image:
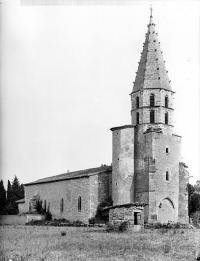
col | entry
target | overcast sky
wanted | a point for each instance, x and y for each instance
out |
(66, 75)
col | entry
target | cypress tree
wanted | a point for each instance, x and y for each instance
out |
(2, 197)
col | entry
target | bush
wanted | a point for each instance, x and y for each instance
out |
(102, 214)
(110, 228)
(48, 216)
(123, 226)
(63, 233)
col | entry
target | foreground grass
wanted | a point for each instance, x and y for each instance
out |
(69, 243)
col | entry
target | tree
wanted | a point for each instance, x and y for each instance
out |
(2, 196)
(9, 193)
(193, 198)
(197, 187)
(15, 191)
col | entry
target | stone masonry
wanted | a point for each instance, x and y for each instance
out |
(131, 213)
(147, 181)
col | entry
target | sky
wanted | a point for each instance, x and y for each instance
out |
(67, 72)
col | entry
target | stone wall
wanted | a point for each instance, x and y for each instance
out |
(69, 190)
(92, 189)
(15, 220)
(99, 190)
(127, 213)
(166, 161)
(159, 106)
(123, 165)
(157, 153)
(183, 194)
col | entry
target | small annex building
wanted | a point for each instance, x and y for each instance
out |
(146, 166)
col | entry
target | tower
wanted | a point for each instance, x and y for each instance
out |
(147, 154)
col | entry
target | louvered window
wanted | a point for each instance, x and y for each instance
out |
(152, 117)
(137, 102)
(138, 118)
(166, 101)
(166, 117)
(152, 100)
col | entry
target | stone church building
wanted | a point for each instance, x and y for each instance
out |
(146, 165)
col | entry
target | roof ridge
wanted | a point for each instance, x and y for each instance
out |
(73, 174)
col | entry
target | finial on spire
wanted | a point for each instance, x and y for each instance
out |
(151, 10)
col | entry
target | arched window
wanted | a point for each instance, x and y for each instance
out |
(138, 118)
(152, 117)
(45, 205)
(166, 101)
(166, 117)
(167, 175)
(137, 102)
(79, 204)
(61, 205)
(48, 209)
(152, 100)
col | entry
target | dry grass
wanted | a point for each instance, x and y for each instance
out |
(69, 243)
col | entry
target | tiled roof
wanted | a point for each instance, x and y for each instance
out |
(72, 175)
(151, 71)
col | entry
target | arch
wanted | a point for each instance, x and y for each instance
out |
(166, 101)
(152, 100)
(166, 210)
(166, 118)
(152, 116)
(167, 175)
(137, 102)
(79, 204)
(45, 205)
(48, 209)
(138, 117)
(61, 205)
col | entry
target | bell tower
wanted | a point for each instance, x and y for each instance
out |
(152, 96)
(146, 164)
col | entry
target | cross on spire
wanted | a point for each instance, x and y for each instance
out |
(151, 10)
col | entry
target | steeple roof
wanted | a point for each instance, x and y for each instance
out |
(151, 71)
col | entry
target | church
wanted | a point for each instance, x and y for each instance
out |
(146, 157)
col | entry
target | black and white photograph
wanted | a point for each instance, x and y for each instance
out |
(100, 125)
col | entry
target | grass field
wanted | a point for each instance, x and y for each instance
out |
(71, 243)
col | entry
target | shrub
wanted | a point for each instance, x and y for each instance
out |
(78, 223)
(48, 216)
(110, 227)
(102, 214)
(63, 233)
(123, 226)
(167, 247)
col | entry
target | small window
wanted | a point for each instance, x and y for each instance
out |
(167, 175)
(61, 205)
(138, 118)
(79, 204)
(166, 101)
(167, 150)
(137, 102)
(152, 117)
(166, 117)
(152, 100)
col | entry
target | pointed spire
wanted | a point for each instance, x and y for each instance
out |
(148, 76)
(151, 15)
(151, 11)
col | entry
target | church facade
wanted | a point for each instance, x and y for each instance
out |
(146, 162)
